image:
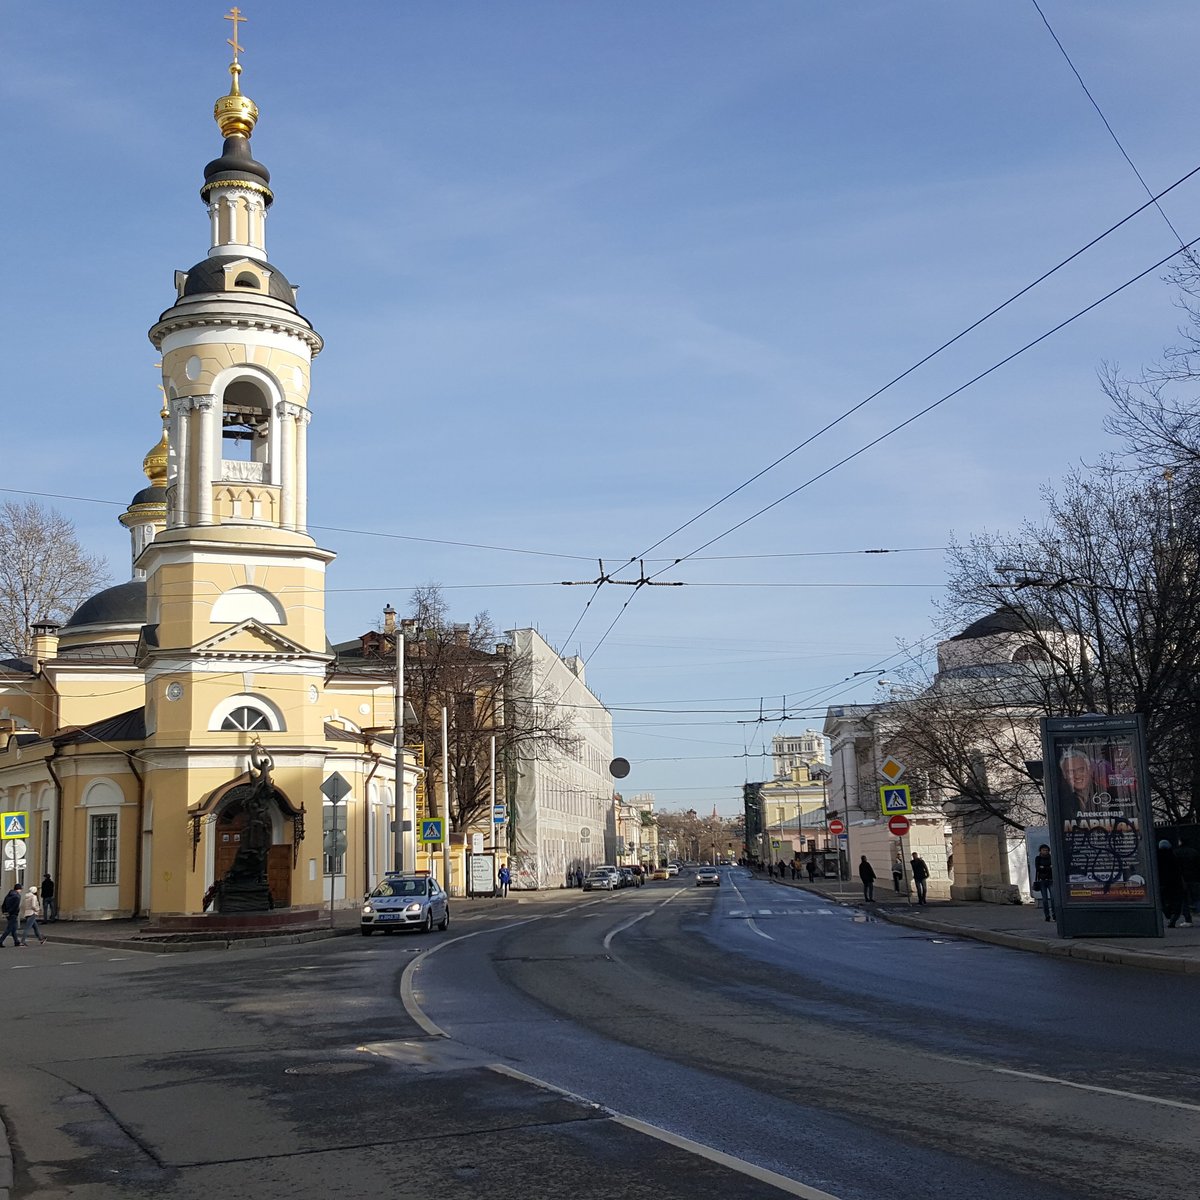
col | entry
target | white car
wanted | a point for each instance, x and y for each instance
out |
(708, 875)
(405, 902)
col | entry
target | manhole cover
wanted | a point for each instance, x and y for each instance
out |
(331, 1068)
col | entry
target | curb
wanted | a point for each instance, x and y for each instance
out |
(149, 947)
(6, 1164)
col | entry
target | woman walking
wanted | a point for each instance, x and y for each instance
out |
(31, 909)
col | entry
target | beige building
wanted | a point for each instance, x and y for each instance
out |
(130, 735)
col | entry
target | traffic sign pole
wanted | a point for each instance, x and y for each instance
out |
(445, 806)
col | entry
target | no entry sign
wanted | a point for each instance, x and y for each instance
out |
(836, 826)
(898, 825)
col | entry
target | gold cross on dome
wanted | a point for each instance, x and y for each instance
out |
(235, 15)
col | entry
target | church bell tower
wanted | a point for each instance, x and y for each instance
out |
(234, 650)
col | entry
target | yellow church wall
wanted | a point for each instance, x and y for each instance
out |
(286, 359)
(29, 703)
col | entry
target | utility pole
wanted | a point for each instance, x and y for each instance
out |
(445, 805)
(401, 808)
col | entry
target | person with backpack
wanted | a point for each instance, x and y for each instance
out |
(11, 908)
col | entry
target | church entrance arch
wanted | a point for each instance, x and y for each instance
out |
(232, 833)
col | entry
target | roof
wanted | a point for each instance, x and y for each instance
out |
(124, 604)
(150, 495)
(17, 665)
(1006, 619)
(237, 165)
(209, 276)
(124, 727)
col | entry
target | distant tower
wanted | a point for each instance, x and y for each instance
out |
(146, 515)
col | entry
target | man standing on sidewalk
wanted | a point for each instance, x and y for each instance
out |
(505, 879)
(866, 873)
(897, 873)
(920, 875)
(11, 909)
(1043, 879)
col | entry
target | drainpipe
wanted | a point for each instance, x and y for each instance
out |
(370, 816)
(141, 817)
(58, 833)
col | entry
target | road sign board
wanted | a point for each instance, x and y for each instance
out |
(892, 769)
(844, 837)
(775, 843)
(14, 825)
(836, 826)
(335, 788)
(430, 831)
(499, 814)
(14, 854)
(898, 825)
(895, 798)
(477, 843)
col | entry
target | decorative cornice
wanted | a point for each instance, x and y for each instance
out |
(302, 332)
(247, 184)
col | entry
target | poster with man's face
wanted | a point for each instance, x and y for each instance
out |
(1105, 847)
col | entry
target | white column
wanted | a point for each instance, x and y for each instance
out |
(178, 441)
(204, 427)
(303, 416)
(285, 412)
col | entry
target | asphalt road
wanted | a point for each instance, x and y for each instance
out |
(859, 1058)
(704, 1039)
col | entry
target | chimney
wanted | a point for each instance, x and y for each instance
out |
(408, 626)
(462, 635)
(45, 642)
(389, 620)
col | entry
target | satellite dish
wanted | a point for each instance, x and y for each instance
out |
(619, 768)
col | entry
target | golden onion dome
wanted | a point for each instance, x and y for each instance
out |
(235, 114)
(155, 462)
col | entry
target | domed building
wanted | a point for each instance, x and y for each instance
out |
(179, 734)
(995, 664)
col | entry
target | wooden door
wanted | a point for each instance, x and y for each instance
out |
(230, 830)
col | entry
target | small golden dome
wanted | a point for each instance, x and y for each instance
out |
(235, 114)
(155, 462)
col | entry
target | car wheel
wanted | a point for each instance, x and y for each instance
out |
(445, 924)
(366, 930)
(427, 927)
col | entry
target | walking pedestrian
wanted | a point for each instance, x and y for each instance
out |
(505, 877)
(920, 873)
(897, 873)
(30, 910)
(792, 868)
(1043, 879)
(1170, 884)
(866, 873)
(11, 908)
(812, 868)
(49, 903)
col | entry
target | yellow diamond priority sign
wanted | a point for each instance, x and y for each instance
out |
(892, 769)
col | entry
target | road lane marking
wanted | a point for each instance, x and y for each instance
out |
(612, 933)
(740, 1165)
(1091, 1087)
(760, 933)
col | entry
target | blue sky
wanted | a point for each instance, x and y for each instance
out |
(581, 268)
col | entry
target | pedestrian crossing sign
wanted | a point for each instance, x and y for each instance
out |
(895, 798)
(14, 825)
(430, 832)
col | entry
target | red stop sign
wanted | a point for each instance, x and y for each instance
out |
(899, 825)
(836, 826)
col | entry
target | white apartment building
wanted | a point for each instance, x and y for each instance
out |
(791, 750)
(561, 801)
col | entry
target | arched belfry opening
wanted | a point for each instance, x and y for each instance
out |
(246, 425)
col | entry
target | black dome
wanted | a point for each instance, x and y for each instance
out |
(209, 276)
(1005, 619)
(237, 164)
(150, 495)
(124, 604)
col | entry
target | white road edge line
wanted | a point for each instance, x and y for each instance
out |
(760, 933)
(782, 1182)
(1091, 1087)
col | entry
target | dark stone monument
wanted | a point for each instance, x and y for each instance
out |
(244, 886)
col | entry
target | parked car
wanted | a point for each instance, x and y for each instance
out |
(672, 869)
(709, 876)
(603, 879)
(661, 873)
(405, 902)
(627, 876)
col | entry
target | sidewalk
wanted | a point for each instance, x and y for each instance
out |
(1018, 926)
(125, 934)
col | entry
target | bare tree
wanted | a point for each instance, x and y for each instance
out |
(692, 836)
(487, 690)
(1106, 593)
(45, 573)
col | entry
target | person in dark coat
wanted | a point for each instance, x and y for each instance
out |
(866, 873)
(11, 908)
(49, 904)
(1043, 880)
(1170, 886)
(811, 867)
(920, 872)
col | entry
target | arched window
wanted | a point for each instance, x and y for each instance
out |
(244, 602)
(245, 719)
(245, 423)
(1030, 653)
(246, 280)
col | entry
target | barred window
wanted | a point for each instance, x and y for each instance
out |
(102, 848)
